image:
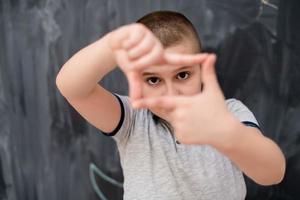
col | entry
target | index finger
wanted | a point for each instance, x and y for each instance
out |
(185, 59)
(168, 103)
(135, 85)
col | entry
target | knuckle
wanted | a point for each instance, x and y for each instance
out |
(157, 52)
(144, 47)
(140, 27)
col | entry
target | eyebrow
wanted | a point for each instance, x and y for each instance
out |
(152, 73)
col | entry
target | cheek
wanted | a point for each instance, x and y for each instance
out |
(149, 91)
(193, 86)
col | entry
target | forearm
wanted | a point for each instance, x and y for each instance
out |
(82, 72)
(257, 156)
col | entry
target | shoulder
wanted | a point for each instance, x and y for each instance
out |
(133, 117)
(129, 111)
(236, 106)
(241, 111)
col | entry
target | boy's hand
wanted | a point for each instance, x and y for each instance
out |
(198, 119)
(132, 44)
(136, 47)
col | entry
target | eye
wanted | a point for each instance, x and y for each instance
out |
(183, 75)
(153, 80)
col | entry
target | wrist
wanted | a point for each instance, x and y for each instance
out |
(107, 40)
(104, 44)
(227, 134)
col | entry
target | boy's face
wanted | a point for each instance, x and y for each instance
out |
(172, 80)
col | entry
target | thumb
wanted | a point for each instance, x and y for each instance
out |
(133, 76)
(208, 73)
(116, 37)
(135, 85)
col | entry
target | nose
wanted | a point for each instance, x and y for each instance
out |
(171, 89)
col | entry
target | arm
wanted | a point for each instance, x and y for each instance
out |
(78, 83)
(257, 156)
(78, 79)
(79, 76)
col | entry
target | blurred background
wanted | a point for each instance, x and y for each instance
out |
(49, 152)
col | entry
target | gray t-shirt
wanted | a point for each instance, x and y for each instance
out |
(156, 167)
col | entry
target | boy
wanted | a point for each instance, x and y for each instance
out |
(162, 62)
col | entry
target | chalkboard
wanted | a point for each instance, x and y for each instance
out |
(48, 151)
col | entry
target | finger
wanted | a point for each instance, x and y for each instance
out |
(135, 85)
(154, 57)
(137, 33)
(123, 60)
(185, 59)
(143, 47)
(167, 103)
(117, 37)
(208, 74)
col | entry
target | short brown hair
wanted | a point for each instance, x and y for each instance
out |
(171, 28)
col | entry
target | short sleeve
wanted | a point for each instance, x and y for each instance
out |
(241, 112)
(124, 127)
